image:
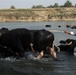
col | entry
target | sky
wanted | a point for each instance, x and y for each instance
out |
(30, 3)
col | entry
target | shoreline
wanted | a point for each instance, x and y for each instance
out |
(43, 21)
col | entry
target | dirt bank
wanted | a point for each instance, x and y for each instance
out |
(44, 14)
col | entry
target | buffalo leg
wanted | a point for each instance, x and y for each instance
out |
(52, 52)
(40, 55)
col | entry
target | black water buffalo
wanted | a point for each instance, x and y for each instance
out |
(17, 40)
(47, 25)
(67, 45)
(20, 40)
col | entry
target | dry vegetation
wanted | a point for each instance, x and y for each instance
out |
(43, 14)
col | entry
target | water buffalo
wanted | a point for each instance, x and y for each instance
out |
(21, 40)
(47, 25)
(15, 40)
(67, 45)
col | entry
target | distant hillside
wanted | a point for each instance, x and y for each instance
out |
(44, 14)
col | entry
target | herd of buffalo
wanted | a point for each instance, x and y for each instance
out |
(68, 26)
(16, 42)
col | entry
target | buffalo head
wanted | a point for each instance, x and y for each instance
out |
(67, 45)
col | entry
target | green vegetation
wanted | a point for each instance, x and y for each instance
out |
(12, 7)
(68, 3)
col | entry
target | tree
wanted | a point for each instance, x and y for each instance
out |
(12, 7)
(75, 5)
(49, 6)
(33, 6)
(68, 4)
(39, 6)
(56, 5)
